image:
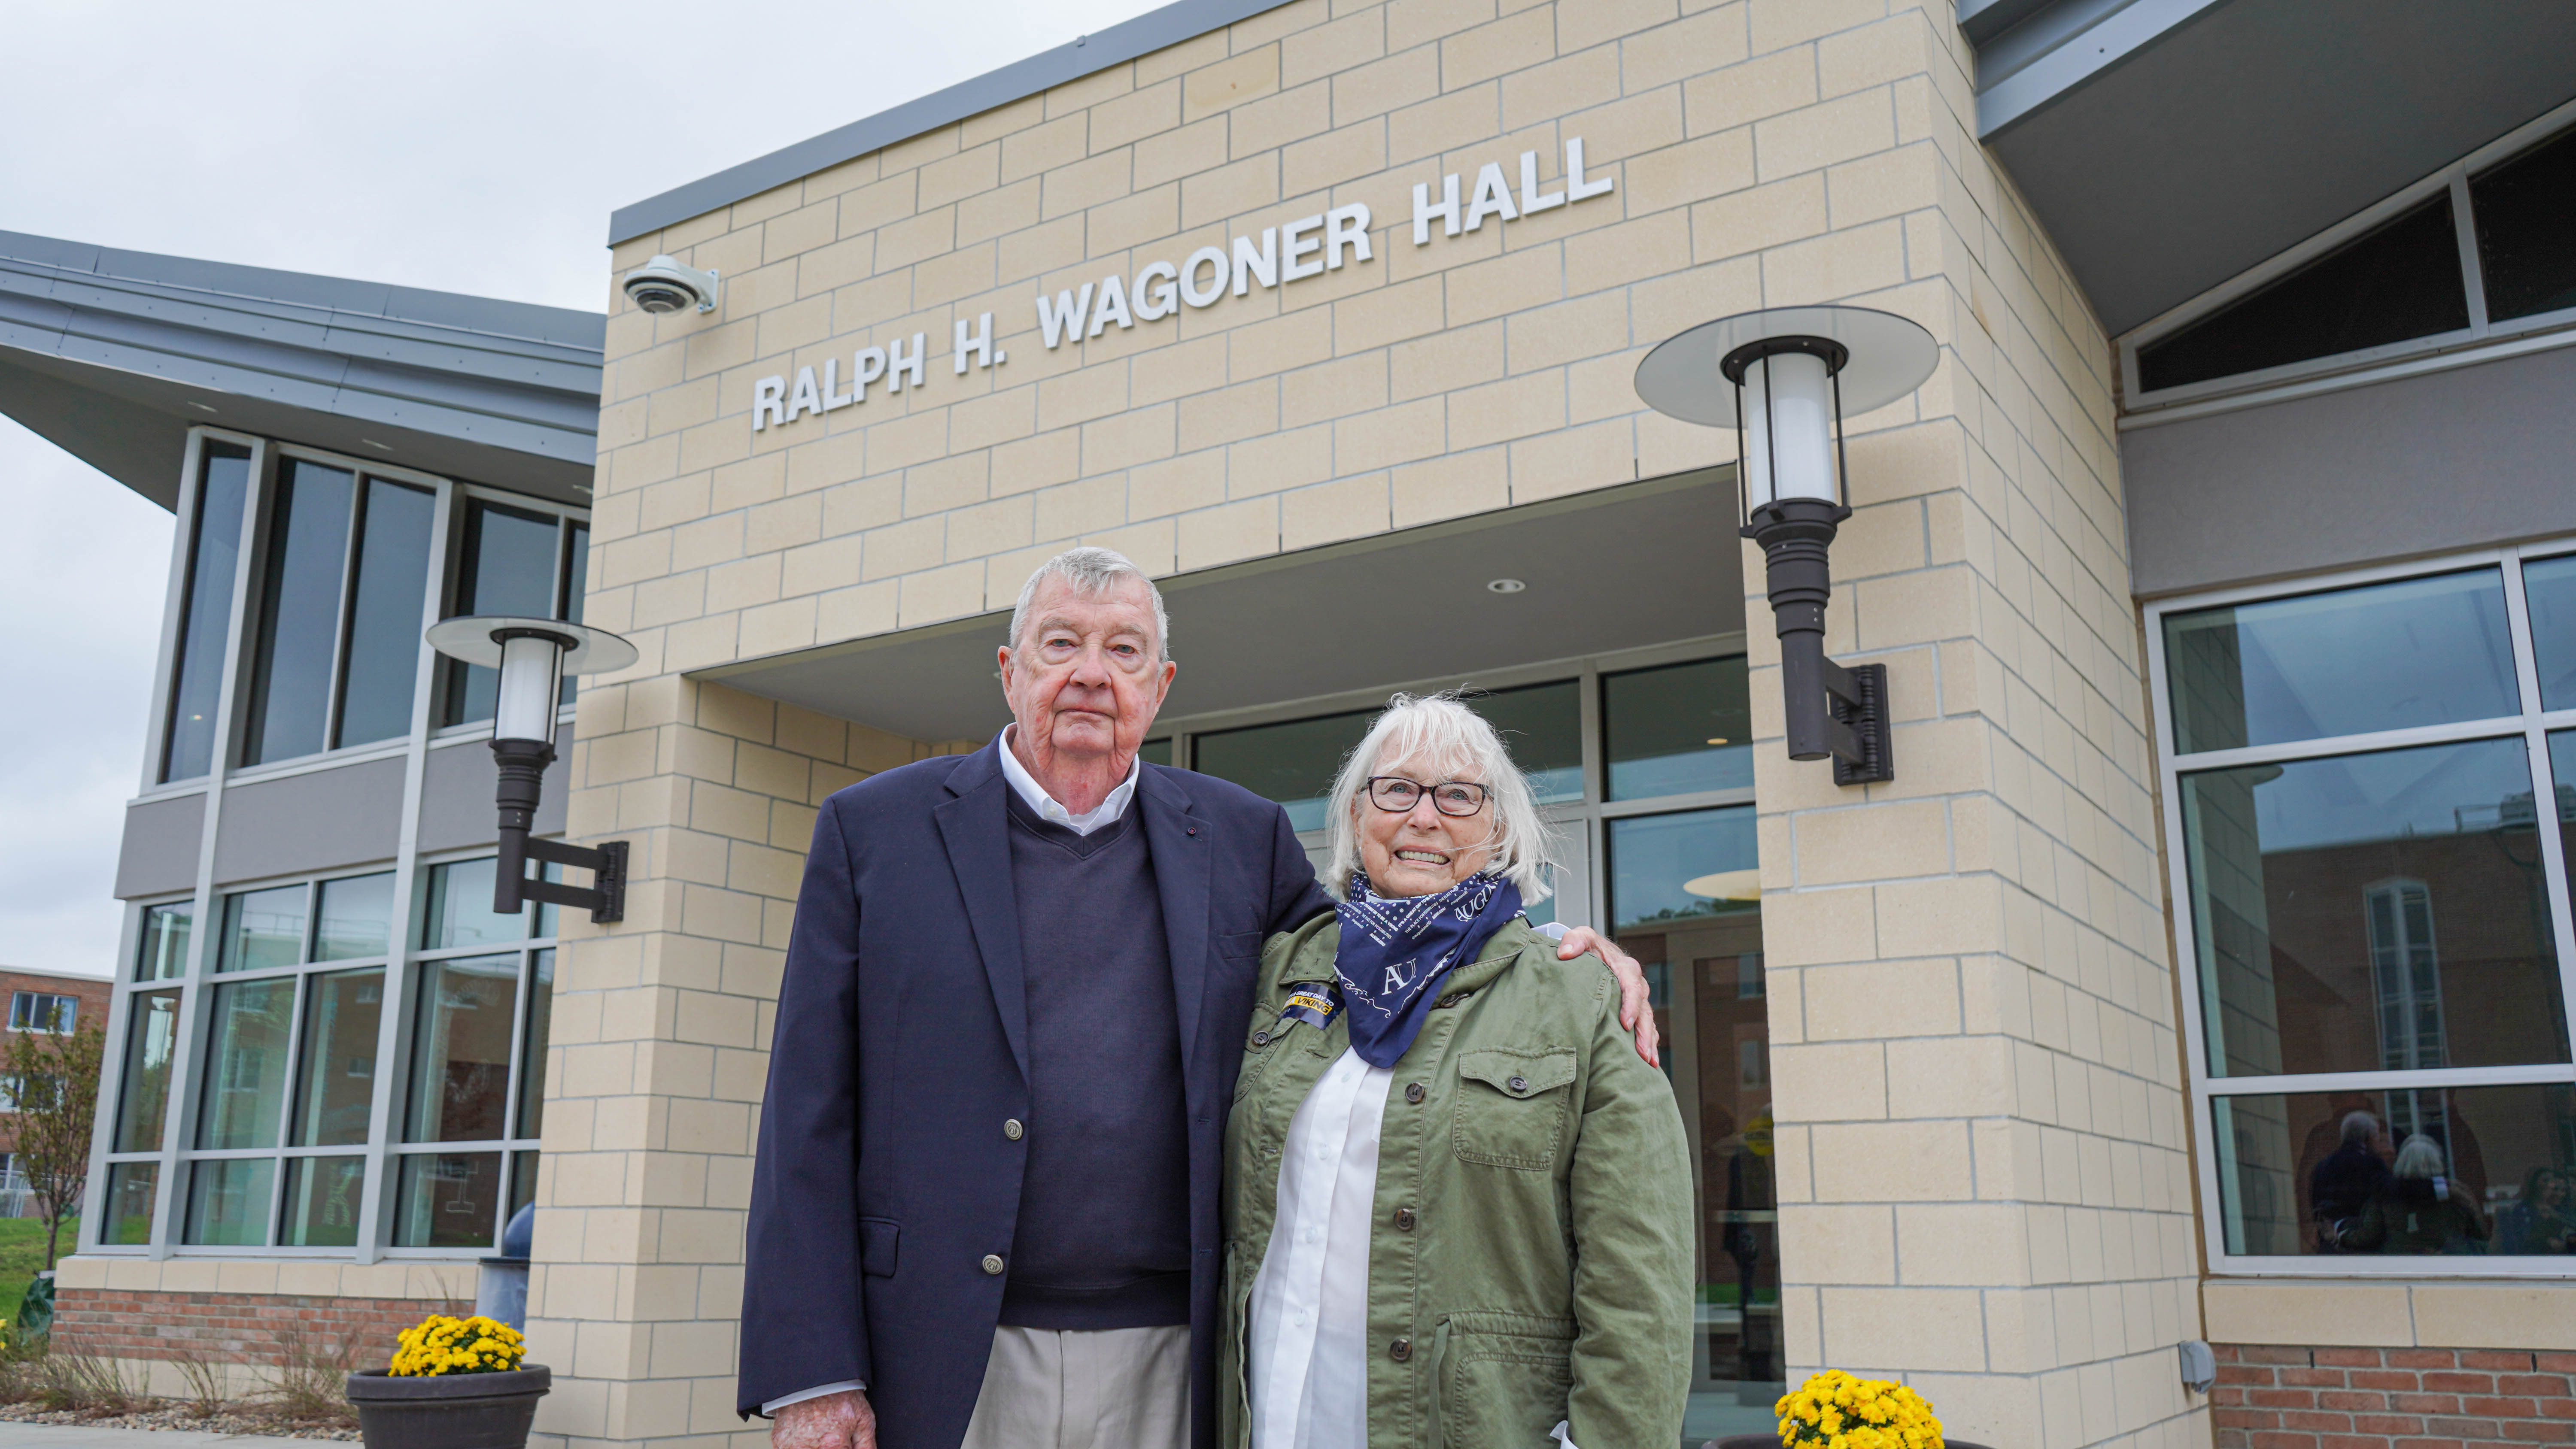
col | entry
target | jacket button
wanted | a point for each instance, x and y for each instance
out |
(993, 1264)
(1400, 1350)
(1012, 1129)
(1404, 1220)
(1413, 1091)
(1261, 1038)
(1520, 1084)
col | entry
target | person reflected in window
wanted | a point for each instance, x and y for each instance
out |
(2347, 1181)
(2540, 1221)
(2421, 1210)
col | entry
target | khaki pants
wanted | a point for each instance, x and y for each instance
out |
(1119, 1388)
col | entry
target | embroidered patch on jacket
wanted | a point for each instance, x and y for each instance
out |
(1312, 1002)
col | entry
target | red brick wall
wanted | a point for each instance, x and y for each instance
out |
(2391, 1398)
(234, 1327)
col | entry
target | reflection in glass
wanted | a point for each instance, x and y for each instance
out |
(460, 1059)
(2382, 657)
(1156, 752)
(263, 928)
(131, 1188)
(228, 1202)
(2372, 912)
(384, 613)
(523, 1181)
(532, 1055)
(1542, 725)
(1684, 896)
(448, 1200)
(166, 929)
(357, 917)
(299, 613)
(321, 1202)
(2522, 208)
(332, 1094)
(214, 560)
(152, 1034)
(245, 1083)
(1681, 728)
(1292, 763)
(508, 568)
(576, 580)
(460, 908)
(2549, 585)
(2452, 1170)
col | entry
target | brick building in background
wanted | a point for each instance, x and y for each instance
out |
(42, 1001)
(2224, 573)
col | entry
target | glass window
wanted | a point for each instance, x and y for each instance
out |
(576, 581)
(214, 561)
(460, 1059)
(448, 1200)
(1293, 763)
(385, 601)
(2386, 656)
(2525, 251)
(152, 1035)
(523, 1180)
(460, 908)
(1678, 729)
(1152, 752)
(341, 1013)
(2375, 912)
(2397, 281)
(357, 917)
(2550, 586)
(299, 615)
(1542, 725)
(263, 929)
(131, 1188)
(508, 567)
(228, 1201)
(2407, 1172)
(44, 1011)
(322, 1198)
(246, 1066)
(164, 956)
(532, 1054)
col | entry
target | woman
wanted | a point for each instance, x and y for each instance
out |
(1458, 1208)
(2420, 1210)
(2539, 1221)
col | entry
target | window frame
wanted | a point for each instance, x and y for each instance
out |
(2530, 724)
(2483, 340)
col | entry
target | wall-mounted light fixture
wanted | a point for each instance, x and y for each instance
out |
(533, 656)
(1783, 379)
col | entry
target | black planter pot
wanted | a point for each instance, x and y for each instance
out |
(448, 1411)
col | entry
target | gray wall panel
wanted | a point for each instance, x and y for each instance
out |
(456, 807)
(346, 816)
(159, 855)
(2459, 459)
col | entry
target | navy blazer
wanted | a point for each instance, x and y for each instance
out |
(884, 1177)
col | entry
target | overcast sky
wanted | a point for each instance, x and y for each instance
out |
(472, 147)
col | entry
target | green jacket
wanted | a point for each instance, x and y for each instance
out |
(1532, 1260)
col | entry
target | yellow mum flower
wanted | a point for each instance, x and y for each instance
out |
(1834, 1410)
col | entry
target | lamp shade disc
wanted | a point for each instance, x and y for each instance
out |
(1890, 357)
(587, 650)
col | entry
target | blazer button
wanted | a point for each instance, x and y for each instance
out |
(1520, 1084)
(993, 1264)
(1012, 1129)
(1413, 1091)
(1400, 1350)
(1404, 1220)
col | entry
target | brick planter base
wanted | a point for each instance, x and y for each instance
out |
(2391, 1398)
(235, 1327)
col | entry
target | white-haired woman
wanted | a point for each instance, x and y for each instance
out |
(2421, 1209)
(1458, 1205)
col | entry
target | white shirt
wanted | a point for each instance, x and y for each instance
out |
(1309, 1312)
(1107, 812)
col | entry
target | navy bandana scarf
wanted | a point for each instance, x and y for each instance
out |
(1394, 949)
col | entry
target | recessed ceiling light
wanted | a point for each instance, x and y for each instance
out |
(1719, 740)
(372, 443)
(201, 407)
(1506, 586)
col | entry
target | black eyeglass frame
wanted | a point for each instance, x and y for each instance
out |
(1484, 796)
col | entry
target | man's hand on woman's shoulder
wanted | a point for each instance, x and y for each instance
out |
(834, 1421)
(1634, 1013)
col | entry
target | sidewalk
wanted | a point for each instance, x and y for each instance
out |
(69, 1436)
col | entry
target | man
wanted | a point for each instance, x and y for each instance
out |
(985, 1208)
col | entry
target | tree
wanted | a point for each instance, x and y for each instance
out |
(54, 1078)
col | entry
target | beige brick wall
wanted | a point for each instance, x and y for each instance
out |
(1979, 1088)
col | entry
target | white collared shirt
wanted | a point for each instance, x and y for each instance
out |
(1107, 812)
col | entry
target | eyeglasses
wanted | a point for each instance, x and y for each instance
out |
(1397, 795)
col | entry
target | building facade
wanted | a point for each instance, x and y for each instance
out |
(2221, 888)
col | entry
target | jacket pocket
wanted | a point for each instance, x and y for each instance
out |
(1505, 1380)
(1511, 1105)
(878, 1240)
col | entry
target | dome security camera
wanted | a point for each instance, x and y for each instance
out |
(664, 285)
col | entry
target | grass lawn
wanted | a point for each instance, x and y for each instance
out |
(22, 1256)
